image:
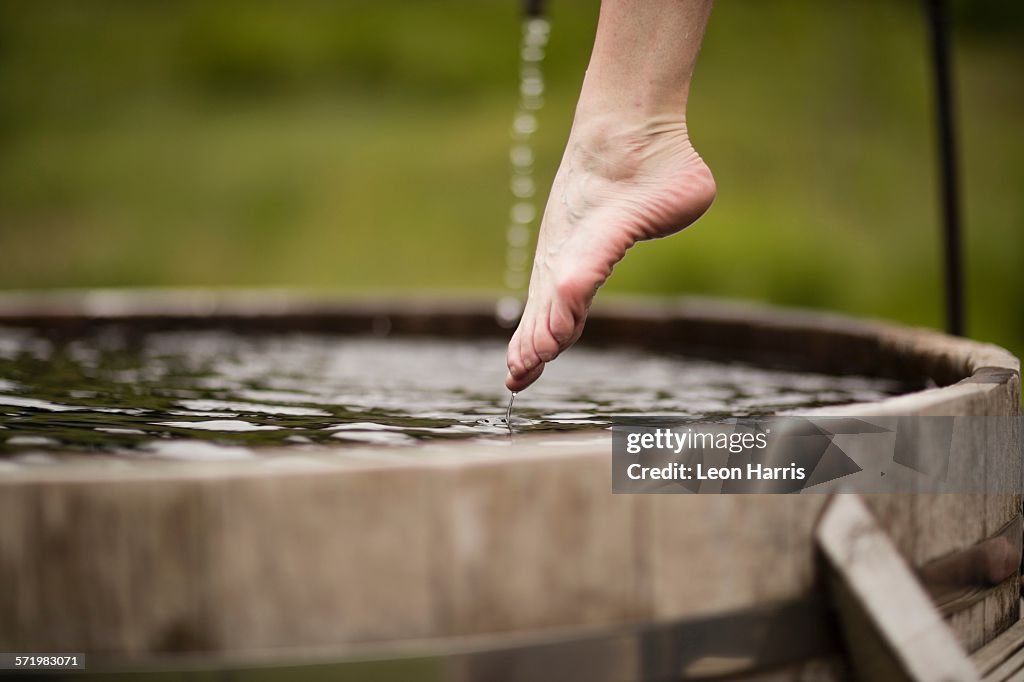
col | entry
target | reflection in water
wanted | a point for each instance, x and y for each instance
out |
(216, 394)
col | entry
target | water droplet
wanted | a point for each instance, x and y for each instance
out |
(525, 124)
(517, 257)
(518, 236)
(532, 53)
(538, 26)
(522, 187)
(523, 212)
(508, 310)
(529, 71)
(521, 155)
(532, 87)
(508, 411)
(535, 39)
(535, 32)
(533, 103)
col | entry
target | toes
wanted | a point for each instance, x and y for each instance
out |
(543, 333)
(521, 357)
(513, 360)
(544, 343)
(516, 384)
(562, 324)
(527, 351)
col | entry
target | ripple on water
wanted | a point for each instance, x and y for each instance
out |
(220, 425)
(215, 395)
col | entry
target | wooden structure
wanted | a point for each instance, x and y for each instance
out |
(480, 561)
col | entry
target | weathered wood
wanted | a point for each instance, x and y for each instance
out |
(892, 630)
(999, 650)
(1009, 670)
(965, 577)
(453, 539)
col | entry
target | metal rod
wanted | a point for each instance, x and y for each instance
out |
(533, 8)
(938, 29)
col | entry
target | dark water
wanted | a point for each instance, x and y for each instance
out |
(217, 395)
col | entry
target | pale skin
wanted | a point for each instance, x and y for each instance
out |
(629, 172)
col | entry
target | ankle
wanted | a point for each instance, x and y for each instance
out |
(609, 114)
(636, 99)
(614, 145)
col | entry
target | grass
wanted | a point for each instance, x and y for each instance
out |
(355, 146)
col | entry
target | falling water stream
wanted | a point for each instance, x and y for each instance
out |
(523, 216)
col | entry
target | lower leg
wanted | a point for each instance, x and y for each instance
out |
(629, 172)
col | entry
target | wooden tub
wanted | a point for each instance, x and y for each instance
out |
(469, 560)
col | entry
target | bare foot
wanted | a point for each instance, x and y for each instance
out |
(618, 184)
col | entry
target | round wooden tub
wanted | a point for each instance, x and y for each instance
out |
(469, 560)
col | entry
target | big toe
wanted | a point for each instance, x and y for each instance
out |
(518, 383)
(522, 357)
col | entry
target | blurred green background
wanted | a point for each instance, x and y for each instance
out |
(364, 146)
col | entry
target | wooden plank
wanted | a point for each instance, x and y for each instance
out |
(1002, 444)
(892, 630)
(993, 654)
(1011, 667)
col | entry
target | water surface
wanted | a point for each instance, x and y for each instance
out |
(218, 394)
